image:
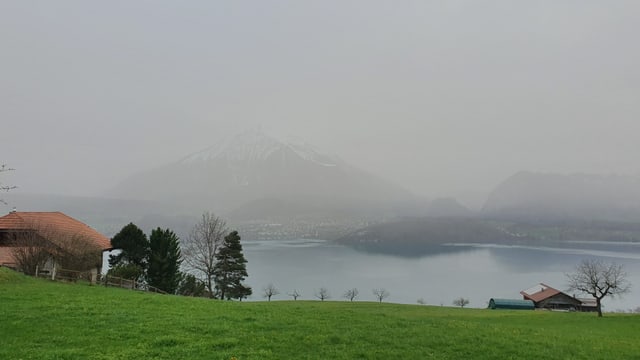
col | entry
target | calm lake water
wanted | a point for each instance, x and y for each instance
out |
(474, 271)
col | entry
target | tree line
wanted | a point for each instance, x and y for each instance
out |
(208, 263)
(212, 256)
(323, 293)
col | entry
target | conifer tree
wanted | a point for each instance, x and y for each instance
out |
(230, 269)
(190, 286)
(132, 259)
(164, 260)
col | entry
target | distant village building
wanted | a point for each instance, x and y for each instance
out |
(48, 230)
(546, 297)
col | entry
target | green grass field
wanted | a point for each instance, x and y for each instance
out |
(44, 320)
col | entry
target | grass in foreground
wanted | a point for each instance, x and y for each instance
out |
(44, 320)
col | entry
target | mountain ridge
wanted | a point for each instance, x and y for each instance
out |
(553, 196)
(254, 166)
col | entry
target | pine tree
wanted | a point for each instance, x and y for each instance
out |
(164, 260)
(190, 286)
(230, 269)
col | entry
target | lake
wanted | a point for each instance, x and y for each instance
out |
(478, 272)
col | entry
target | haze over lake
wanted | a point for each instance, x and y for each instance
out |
(387, 126)
(477, 272)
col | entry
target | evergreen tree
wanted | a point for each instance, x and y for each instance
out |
(164, 260)
(230, 269)
(127, 271)
(242, 291)
(134, 252)
(190, 286)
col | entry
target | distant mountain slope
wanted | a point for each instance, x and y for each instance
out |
(416, 237)
(447, 207)
(421, 236)
(254, 167)
(554, 197)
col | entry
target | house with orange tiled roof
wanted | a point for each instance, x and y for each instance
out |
(546, 297)
(47, 230)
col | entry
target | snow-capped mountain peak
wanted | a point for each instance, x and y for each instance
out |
(253, 166)
(249, 145)
(308, 153)
(255, 145)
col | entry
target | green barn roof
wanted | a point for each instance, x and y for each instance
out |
(514, 304)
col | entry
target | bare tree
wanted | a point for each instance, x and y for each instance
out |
(323, 294)
(3, 187)
(201, 246)
(381, 294)
(294, 294)
(599, 279)
(421, 301)
(77, 252)
(462, 302)
(269, 291)
(351, 294)
(30, 251)
(37, 244)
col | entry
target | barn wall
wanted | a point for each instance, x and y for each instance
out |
(559, 301)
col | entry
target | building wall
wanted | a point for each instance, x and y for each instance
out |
(560, 302)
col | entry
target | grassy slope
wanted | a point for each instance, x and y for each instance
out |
(44, 320)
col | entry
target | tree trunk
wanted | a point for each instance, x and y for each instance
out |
(599, 306)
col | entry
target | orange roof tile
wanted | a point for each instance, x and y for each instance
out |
(55, 221)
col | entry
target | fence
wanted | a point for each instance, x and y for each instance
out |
(132, 284)
(66, 275)
(92, 278)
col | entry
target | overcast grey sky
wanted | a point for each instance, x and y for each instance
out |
(443, 97)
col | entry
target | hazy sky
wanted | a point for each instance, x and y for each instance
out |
(443, 97)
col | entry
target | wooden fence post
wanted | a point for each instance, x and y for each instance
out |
(94, 276)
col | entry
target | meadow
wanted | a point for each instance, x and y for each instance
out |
(40, 319)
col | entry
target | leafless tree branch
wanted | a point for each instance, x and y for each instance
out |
(201, 246)
(269, 291)
(599, 279)
(294, 294)
(37, 243)
(30, 251)
(323, 294)
(462, 302)
(5, 188)
(381, 294)
(351, 294)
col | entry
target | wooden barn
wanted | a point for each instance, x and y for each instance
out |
(546, 297)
